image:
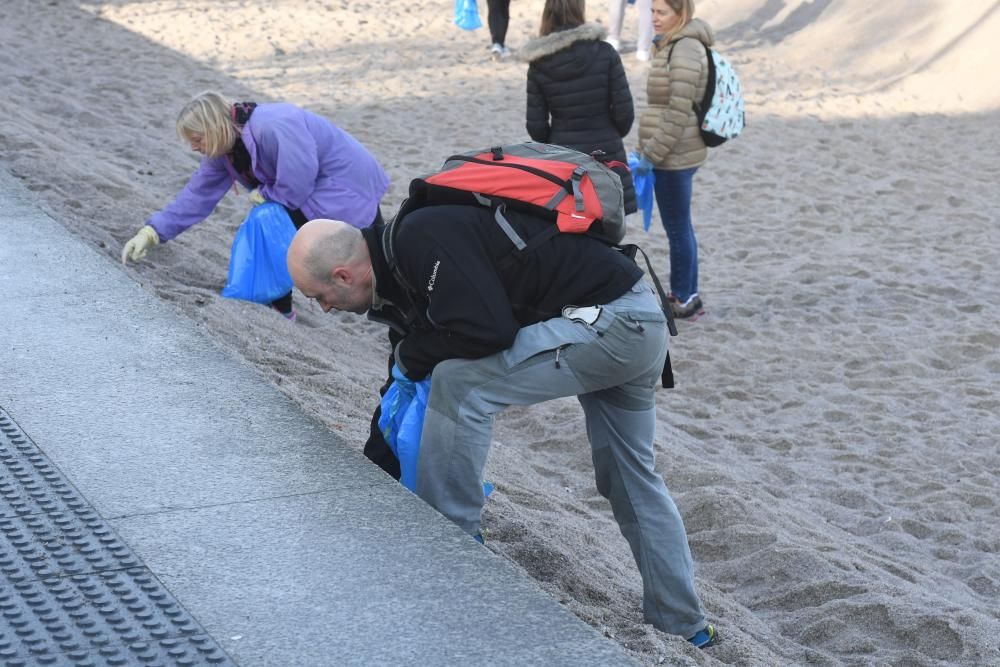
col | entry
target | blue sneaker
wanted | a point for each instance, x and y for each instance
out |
(478, 537)
(704, 637)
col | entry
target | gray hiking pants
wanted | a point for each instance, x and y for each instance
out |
(612, 366)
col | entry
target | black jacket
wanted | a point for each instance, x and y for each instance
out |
(471, 294)
(578, 94)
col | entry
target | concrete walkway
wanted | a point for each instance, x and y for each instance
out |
(221, 525)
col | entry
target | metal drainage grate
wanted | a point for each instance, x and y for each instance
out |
(71, 592)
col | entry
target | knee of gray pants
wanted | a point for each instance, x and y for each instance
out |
(452, 380)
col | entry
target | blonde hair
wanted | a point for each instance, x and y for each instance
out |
(685, 12)
(209, 115)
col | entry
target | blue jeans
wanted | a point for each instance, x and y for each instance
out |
(673, 199)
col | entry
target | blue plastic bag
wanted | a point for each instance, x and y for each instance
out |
(402, 422)
(643, 182)
(467, 15)
(258, 270)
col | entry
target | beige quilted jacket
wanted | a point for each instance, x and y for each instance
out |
(668, 127)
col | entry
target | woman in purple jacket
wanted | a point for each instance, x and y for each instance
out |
(280, 153)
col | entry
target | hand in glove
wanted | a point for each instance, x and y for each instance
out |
(406, 385)
(639, 163)
(256, 197)
(137, 247)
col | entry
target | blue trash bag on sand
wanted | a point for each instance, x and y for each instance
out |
(402, 422)
(467, 15)
(258, 270)
(643, 182)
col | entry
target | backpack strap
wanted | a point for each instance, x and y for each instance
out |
(576, 179)
(520, 245)
(630, 251)
(410, 313)
(505, 225)
(667, 376)
(389, 248)
(706, 100)
(700, 108)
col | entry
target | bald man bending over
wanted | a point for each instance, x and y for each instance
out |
(570, 317)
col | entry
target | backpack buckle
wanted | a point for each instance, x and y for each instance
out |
(576, 179)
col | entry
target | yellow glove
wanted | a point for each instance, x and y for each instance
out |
(139, 244)
(256, 197)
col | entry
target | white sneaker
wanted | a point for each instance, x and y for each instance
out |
(499, 52)
(642, 56)
(614, 41)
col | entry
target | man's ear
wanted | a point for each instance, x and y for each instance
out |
(341, 274)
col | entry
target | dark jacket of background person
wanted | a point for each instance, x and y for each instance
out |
(578, 94)
(668, 128)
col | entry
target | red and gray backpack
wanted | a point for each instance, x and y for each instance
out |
(578, 193)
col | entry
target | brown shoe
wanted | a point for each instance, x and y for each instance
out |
(688, 309)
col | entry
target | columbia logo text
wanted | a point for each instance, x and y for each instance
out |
(434, 275)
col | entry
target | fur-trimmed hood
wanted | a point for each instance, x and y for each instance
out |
(539, 47)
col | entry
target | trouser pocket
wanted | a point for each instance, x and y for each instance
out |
(553, 334)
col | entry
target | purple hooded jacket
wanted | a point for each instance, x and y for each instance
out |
(302, 161)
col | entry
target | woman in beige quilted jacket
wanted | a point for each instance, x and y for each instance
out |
(670, 138)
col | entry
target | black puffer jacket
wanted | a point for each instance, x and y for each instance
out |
(578, 95)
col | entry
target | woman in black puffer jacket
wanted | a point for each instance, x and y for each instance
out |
(578, 95)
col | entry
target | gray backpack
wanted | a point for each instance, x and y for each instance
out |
(580, 193)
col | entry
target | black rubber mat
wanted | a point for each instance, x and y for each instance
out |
(29, 484)
(71, 592)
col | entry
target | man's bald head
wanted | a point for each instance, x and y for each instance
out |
(322, 245)
(328, 261)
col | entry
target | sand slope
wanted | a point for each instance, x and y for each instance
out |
(831, 443)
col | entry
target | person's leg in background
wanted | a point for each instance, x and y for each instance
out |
(644, 43)
(673, 199)
(616, 14)
(283, 304)
(498, 18)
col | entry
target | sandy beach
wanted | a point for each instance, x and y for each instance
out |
(832, 441)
